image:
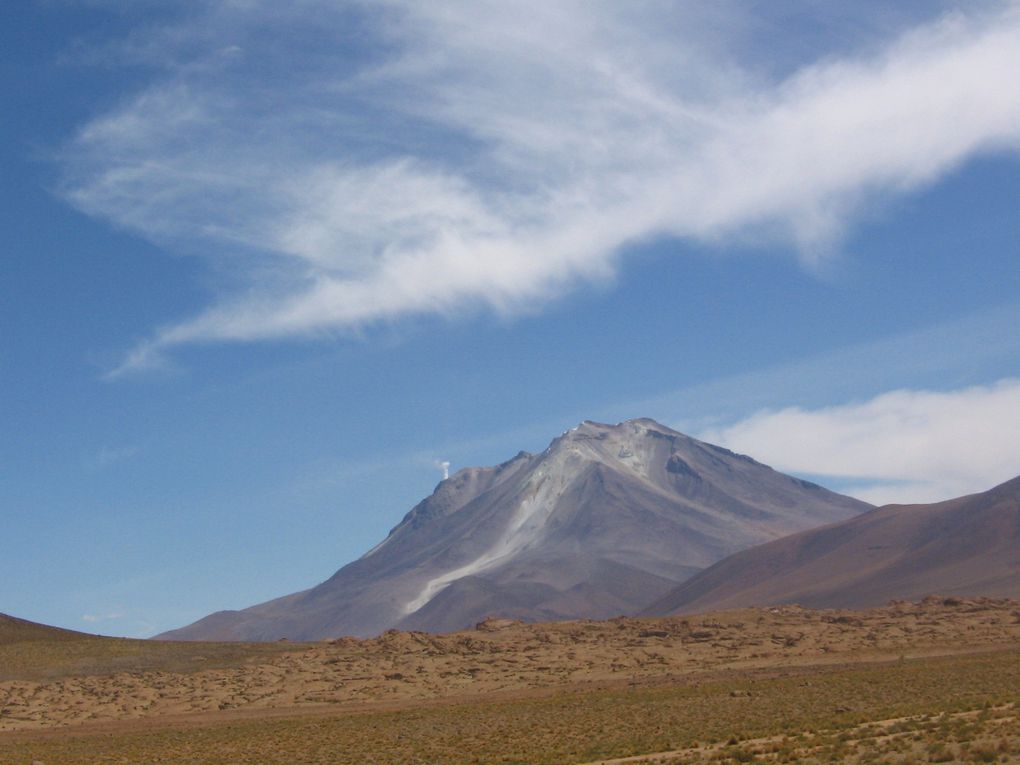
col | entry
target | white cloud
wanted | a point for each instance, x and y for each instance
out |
(903, 446)
(495, 155)
(93, 618)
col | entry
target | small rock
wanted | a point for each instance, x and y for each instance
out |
(653, 633)
(494, 624)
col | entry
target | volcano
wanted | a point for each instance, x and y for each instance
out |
(606, 520)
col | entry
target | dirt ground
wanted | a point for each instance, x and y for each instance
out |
(499, 662)
(506, 657)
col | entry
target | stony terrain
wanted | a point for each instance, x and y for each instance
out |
(990, 734)
(498, 658)
(958, 709)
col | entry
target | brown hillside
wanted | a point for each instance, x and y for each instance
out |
(14, 630)
(967, 546)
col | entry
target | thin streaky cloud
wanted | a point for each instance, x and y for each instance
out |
(489, 159)
(983, 345)
(959, 352)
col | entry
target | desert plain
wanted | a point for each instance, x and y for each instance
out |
(932, 681)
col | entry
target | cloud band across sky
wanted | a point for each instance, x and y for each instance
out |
(496, 156)
(902, 446)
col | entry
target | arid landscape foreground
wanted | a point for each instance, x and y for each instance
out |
(935, 681)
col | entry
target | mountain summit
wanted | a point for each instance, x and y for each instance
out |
(604, 521)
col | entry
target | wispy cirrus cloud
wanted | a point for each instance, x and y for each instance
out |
(351, 163)
(902, 446)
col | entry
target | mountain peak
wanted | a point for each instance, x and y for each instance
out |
(636, 426)
(604, 521)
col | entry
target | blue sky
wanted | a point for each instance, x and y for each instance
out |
(264, 268)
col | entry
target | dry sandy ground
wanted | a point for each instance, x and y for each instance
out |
(501, 657)
(993, 736)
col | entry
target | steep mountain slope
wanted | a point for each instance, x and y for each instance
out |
(964, 546)
(604, 521)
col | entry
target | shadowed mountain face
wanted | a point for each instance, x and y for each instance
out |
(603, 522)
(965, 546)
